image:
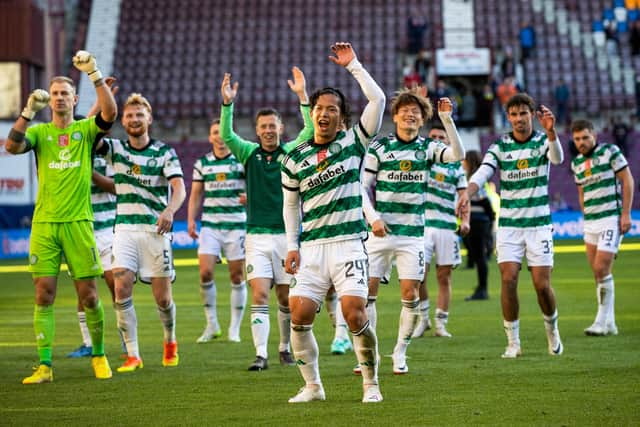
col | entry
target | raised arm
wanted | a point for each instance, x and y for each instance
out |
(548, 122)
(299, 87)
(239, 147)
(110, 82)
(371, 118)
(17, 142)
(86, 62)
(457, 153)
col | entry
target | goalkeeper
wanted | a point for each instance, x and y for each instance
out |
(63, 218)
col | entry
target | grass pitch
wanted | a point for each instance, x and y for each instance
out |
(458, 381)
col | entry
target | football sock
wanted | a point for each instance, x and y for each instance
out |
(238, 303)
(512, 329)
(305, 351)
(332, 304)
(604, 293)
(168, 319)
(95, 325)
(442, 317)
(128, 325)
(372, 313)
(365, 345)
(551, 322)
(409, 317)
(260, 328)
(84, 331)
(208, 294)
(342, 330)
(424, 309)
(284, 323)
(44, 325)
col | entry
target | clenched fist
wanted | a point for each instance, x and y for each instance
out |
(38, 99)
(84, 61)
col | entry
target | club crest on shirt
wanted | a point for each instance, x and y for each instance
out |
(322, 165)
(535, 152)
(335, 148)
(76, 136)
(152, 163)
(420, 155)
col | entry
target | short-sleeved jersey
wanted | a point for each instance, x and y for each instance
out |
(443, 183)
(596, 173)
(327, 178)
(63, 159)
(262, 173)
(103, 202)
(223, 181)
(401, 170)
(142, 182)
(524, 177)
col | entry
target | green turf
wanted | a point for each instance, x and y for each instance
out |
(459, 381)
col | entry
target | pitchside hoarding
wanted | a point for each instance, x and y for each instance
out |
(566, 225)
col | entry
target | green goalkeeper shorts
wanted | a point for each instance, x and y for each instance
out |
(49, 240)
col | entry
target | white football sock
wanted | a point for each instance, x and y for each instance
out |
(442, 317)
(305, 351)
(208, 295)
(365, 344)
(409, 317)
(84, 330)
(128, 325)
(260, 328)
(372, 313)
(284, 323)
(168, 319)
(424, 309)
(551, 322)
(238, 303)
(332, 304)
(342, 329)
(604, 293)
(512, 329)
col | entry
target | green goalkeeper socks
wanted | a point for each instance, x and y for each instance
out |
(44, 325)
(95, 323)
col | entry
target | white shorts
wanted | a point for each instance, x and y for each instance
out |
(408, 253)
(265, 255)
(104, 243)
(607, 240)
(341, 264)
(537, 244)
(214, 242)
(445, 244)
(147, 253)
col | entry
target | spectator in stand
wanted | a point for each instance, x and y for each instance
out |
(611, 34)
(527, 40)
(423, 65)
(411, 77)
(620, 131)
(634, 37)
(416, 29)
(504, 92)
(561, 94)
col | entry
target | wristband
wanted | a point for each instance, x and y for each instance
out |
(16, 135)
(28, 117)
(95, 75)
